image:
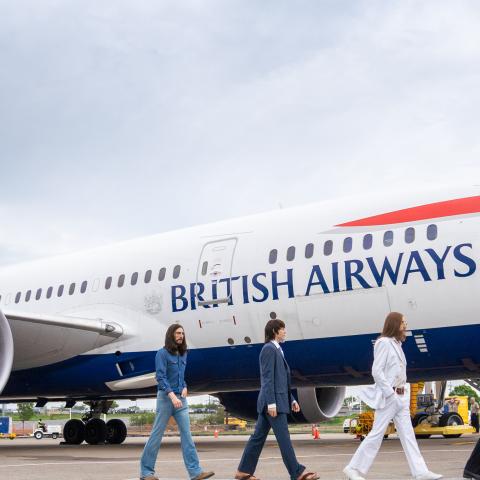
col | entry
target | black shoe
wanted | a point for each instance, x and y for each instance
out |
(467, 474)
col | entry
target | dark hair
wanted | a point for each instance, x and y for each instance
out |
(391, 327)
(271, 329)
(170, 343)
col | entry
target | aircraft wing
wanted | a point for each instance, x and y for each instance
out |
(32, 340)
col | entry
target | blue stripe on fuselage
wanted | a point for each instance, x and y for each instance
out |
(326, 361)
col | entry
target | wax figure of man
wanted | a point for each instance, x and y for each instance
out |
(275, 402)
(391, 401)
(170, 364)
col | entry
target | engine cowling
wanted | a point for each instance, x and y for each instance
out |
(317, 403)
(6, 351)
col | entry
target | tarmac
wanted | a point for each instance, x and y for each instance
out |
(26, 458)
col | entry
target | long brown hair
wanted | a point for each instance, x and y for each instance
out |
(391, 327)
(170, 343)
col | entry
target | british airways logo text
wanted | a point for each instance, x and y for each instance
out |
(426, 265)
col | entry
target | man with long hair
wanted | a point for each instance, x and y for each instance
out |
(275, 401)
(390, 400)
(170, 364)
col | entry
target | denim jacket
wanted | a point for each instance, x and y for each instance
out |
(170, 371)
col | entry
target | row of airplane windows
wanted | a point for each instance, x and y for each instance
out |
(83, 286)
(367, 243)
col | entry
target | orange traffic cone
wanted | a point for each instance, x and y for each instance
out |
(316, 433)
(215, 433)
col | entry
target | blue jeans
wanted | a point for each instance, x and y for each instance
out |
(165, 410)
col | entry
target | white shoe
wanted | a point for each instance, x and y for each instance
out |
(352, 474)
(429, 476)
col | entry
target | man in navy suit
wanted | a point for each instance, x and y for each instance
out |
(275, 402)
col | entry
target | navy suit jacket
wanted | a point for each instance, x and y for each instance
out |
(275, 380)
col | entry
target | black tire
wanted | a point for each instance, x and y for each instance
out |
(38, 435)
(451, 419)
(417, 420)
(74, 432)
(54, 436)
(116, 431)
(95, 431)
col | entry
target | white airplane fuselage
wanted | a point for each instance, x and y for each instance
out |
(336, 273)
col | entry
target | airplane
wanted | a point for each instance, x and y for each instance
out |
(86, 326)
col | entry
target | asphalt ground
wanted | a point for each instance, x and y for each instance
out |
(23, 459)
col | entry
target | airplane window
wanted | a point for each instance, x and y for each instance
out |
(272, 258)
(161, 274)
(148, 276)
(176, 271)
(49, 292)
(432, 232)
(204, 268)
(134, 279)
(388, 238)
(108, 283)
(409, 235)
(71, 290)
(39, 294)
(60, 291)
(309, 250)
(83, 287)
(121, 280)
(17, 297)
(347, 244)
(367, 241)
(290, 253)
(0, 298)
(328, 247)
(28, 295)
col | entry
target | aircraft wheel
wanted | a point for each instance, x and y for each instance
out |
(95, 431)
(74, 432)
(116, 431)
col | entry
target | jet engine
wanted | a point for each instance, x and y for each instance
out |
(6, 351)
(317, 404)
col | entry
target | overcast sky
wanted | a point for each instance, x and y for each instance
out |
(125, 118)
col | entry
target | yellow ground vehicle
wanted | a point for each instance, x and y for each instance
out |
(432, 416)
(364, 424)
(233, 423)
(429, 415)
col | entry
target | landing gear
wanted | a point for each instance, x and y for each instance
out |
(74, 432)
(93, 429)
(116, 431)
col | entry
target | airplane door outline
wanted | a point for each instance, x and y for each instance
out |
(215, 263)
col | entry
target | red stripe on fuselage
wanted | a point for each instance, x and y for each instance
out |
(460, 206)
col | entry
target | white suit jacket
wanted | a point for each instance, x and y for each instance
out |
(389, 364)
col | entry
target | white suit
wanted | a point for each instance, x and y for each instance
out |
(388, 371)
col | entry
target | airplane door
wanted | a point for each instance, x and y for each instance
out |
(215, 263)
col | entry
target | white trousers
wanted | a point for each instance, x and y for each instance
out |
(396, 409)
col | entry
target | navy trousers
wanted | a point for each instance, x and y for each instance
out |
(255, 443)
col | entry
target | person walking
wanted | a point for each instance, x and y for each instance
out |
(170, 364)
(474, 409)
(388, 396)
(274, 402)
